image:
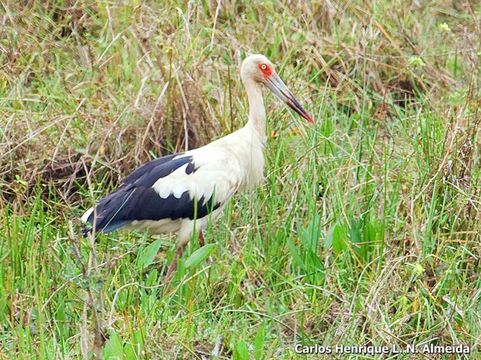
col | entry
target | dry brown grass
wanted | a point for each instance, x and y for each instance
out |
(133, 82)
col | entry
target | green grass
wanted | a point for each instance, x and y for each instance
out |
(366, 231)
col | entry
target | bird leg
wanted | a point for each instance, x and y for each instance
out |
(173, 266)
(201, 239)
(178, 253)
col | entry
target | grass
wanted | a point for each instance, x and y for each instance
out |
(366, 231)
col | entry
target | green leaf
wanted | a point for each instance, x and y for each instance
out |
(359, 247)
(337, 238)
(295, 254)
(147, 254)
(241, 352)
(310, 235)
(259, 343)
(113, 348)
(199, 255)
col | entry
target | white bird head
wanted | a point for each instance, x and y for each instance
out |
(259, 69)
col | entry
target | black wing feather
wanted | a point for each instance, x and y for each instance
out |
(147, 174)
(137, 200)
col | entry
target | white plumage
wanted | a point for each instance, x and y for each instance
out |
(181, 192)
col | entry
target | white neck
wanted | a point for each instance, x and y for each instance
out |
(257, 112)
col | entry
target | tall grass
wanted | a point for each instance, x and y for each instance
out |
(366, 231)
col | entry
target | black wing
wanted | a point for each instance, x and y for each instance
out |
(147, 174)
(137, 200)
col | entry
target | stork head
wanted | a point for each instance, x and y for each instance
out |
(259, 69)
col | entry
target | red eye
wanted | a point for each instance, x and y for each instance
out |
(266, 70)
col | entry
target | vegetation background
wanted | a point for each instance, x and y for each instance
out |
(366, 232)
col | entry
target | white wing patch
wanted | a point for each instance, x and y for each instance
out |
(214, 176)
(86, 214)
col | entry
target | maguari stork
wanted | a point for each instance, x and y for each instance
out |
(179, 193)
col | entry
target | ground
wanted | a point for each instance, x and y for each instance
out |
(365, 232)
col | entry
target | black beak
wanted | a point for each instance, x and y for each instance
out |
(277, 86)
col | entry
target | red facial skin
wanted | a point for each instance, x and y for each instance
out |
(266, 70)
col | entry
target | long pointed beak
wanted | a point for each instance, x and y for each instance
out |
(277, 86)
